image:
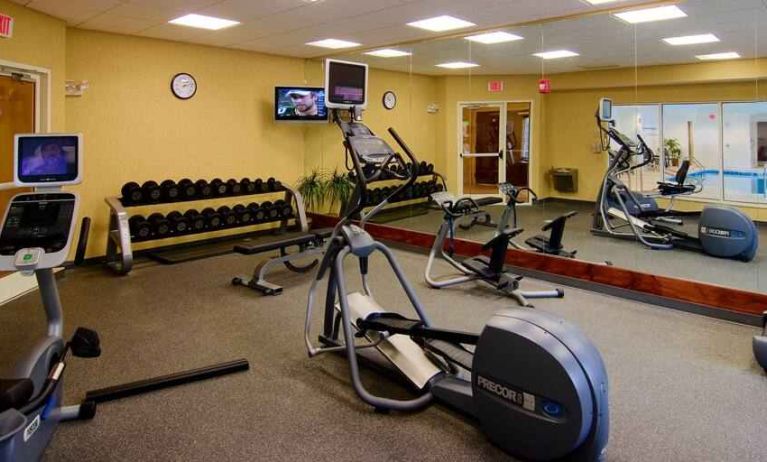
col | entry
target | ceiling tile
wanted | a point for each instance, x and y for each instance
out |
(73, 11)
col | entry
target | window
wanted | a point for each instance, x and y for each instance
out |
(745, 151)
(642, 120)
(691, 132)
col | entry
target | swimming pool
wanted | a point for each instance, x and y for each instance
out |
(739, 185)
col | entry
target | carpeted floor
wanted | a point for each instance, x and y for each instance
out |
(624, 254)
(683, 387)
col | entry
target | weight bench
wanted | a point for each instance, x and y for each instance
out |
(482, 218)
(552, 244)
(311, 243)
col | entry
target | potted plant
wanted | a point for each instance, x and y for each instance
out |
(338, 189)
(672, 150)
(312, 188)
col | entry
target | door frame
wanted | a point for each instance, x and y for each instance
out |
(42, 78)
(532, 178)
(15, 285)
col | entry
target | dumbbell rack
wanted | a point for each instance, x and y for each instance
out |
(119, 252)
(435, 176)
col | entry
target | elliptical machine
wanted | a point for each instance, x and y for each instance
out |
(536, 385)
(36, 237)
(723, 231)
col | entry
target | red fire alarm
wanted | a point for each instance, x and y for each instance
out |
(6, 26)
(544, 86)
(495, 86)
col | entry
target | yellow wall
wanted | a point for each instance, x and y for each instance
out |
(38, 40)
(135, 129)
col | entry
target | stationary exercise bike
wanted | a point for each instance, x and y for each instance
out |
(551, 244)
(536, 385)
(36, 237)
(491, 270)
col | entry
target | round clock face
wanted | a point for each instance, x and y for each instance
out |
(389, 100)
(183, 86)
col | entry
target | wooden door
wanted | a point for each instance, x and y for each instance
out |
(17, 115)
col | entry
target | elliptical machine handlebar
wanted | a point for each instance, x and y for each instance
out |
(513, 192)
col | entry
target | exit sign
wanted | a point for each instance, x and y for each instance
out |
(6, 26)
(495, 86)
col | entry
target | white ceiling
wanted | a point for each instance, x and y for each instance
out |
(284, 26)
(602, 41)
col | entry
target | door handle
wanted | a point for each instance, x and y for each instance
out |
(500, 154)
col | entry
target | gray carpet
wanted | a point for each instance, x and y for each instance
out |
(624, 254)
(683, 387)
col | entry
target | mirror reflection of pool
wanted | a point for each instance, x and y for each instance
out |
(739, 185)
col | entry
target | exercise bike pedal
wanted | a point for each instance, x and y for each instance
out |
(85, 343)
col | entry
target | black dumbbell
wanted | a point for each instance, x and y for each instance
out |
(423, 167)
(273, 185)
(247, 186)
(242, 214)
(228, 218)
(188, 189)
(169, 191)
(284, 210)
(132, 193)
(140, 228)
(260, 186)
(219, 187)
(212, 218)
(430, 169)
(160, 224)
(196, 221)
(257, 212)
(270, 211)
(440, 187)
(151, 191)
(179, 224)
(233, 186)
(204, 190)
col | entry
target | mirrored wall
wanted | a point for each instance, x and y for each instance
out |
(517, 105)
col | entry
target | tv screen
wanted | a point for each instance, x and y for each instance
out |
(301, 104)
(346, 83)
(47, 159)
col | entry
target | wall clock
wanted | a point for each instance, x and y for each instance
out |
(389, 100)
(183, 85)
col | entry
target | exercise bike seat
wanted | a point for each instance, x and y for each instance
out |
(15, 393)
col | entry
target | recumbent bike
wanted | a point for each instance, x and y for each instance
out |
(489, 270)
(536, 385)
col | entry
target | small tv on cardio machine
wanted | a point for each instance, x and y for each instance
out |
(47, 160)
(345, 84)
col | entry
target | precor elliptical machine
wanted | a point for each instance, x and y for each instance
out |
(536, 385)
(723, 231)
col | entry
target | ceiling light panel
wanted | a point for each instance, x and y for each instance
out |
(660, 13)
(334, 44)
(556, 54)
(203, 22)
(491, 38)
(388, 53)
(457, 65)
(441, 24)
(719, 56)
(691, 39)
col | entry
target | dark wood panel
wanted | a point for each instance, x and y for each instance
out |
(716, 297)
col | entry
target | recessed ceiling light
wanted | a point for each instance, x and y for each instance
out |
(441, 24)
(388, 53)
(692, 39)
(457, 65)
(556, 54)
(660, 13)
(718, 56)
(494, 37)
(334, 44)
(203, 22)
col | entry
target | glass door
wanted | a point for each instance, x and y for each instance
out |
(518, 146)
(483, 148)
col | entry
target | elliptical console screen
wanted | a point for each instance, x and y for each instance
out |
(346, 83)
(44, 159)
(37, 220)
